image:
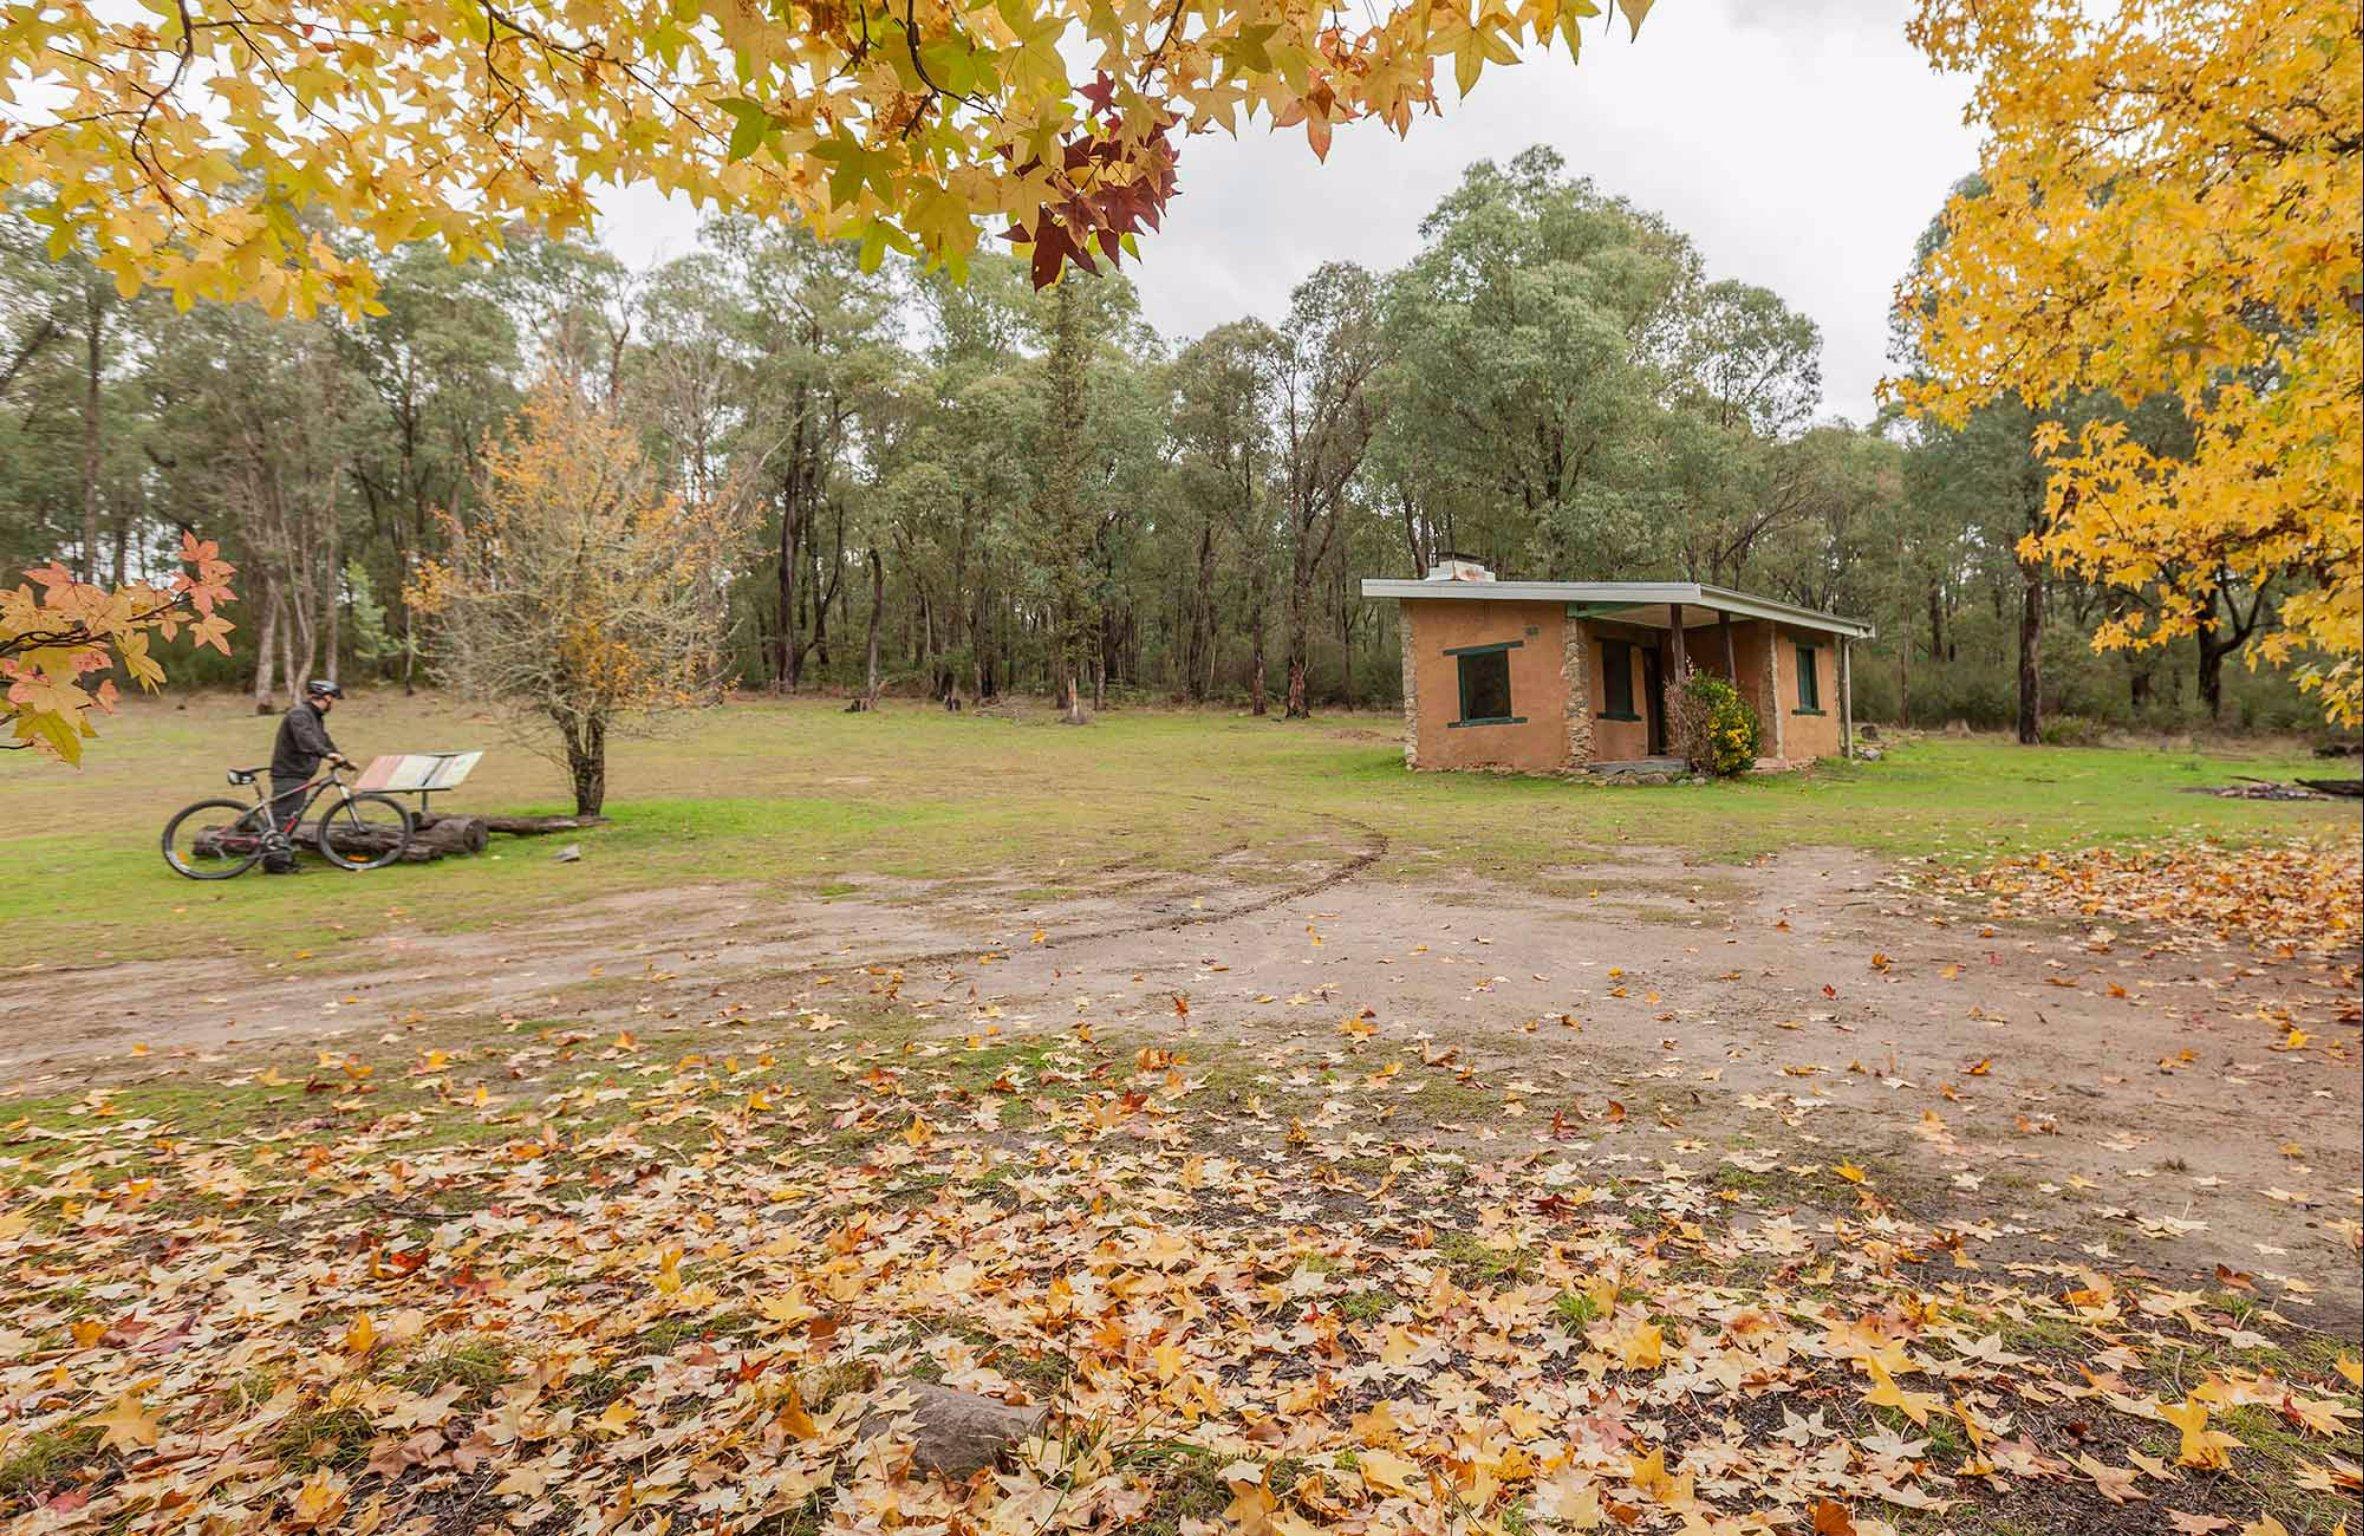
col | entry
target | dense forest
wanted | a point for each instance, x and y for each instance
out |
(966, 489)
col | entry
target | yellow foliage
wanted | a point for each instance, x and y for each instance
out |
(51, 638)
(574, 592)
(2168, 208)
(186, 146)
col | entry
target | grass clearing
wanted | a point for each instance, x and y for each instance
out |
(802, 798)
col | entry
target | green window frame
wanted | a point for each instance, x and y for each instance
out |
(1483, 672)
(1809, 683)
(1617, 680)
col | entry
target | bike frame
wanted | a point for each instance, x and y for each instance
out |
(312, 792)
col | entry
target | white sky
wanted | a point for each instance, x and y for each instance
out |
(1802, 143)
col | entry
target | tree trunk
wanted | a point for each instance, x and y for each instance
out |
(93, 330)
(2220, 639)
(1299, 613)
(265, 651)
(2031, 646)
(869, 698)
(331, 609)
(2212, 657)
(826, 597)
(288, 674)
(586, 762)
(1345, 647)
(2031, 610)
(410, 651)
(1196, 660)
(1259, 598)
(1066, 526)
(782, 633)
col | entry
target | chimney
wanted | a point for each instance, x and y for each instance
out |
(1455, 568)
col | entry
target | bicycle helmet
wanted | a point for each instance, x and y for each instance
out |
(321, 685)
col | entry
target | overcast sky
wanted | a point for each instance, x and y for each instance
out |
(1802, 143)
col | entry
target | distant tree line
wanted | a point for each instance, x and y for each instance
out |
(966, 490)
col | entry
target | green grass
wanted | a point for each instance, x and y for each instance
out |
(801, 798)
(43, 1461)
(1474, 1262)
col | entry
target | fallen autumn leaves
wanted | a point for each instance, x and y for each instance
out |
(2298, 897)
(565, 1287)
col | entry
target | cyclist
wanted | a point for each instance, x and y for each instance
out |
(303, 745)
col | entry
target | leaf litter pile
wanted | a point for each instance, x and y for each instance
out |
(2298, 897)
(576, 1285)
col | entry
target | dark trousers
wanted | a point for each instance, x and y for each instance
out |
(287, 803)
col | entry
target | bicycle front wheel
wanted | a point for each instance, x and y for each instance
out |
(364, 832)
(215, 839)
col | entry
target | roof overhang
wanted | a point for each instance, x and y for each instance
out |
(1632, 602)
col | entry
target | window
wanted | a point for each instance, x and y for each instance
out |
(1809, 683)
(1485, 683)
(1617, 681)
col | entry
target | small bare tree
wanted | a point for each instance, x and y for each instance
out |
(575, 595)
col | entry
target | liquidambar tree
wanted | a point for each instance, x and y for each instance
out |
(186, 141)
(2166, 210)
(574, 594)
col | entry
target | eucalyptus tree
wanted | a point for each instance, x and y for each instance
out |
(1222, 428)
(1528, 344)
(442, 366)
(818, 344)
(1743, 377)
(257, 424)
(1330, 345)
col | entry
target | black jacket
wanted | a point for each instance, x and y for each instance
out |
(303, 742)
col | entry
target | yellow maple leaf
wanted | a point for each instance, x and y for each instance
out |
(2202, 1447)
(1641, 1346)
(128, 1424)
(1651, 1479)
(1375, 1425)
(1886, 1394)
(320, 1500)
(792, 1418)
(1388, 1472)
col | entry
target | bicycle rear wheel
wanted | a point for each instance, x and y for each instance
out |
(215, 839)
(364, 832)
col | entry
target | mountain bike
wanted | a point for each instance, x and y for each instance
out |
(216, 839)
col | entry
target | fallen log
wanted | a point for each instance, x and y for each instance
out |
(539, 826)
(361, 844)
(2353, 789)
(448, 835)
(455, 834)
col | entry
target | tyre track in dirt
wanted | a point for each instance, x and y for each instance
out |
(693, 939)
(1376, 848)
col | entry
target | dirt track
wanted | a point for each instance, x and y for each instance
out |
(1800, 1013)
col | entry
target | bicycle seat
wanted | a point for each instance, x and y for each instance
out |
(244, 775)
